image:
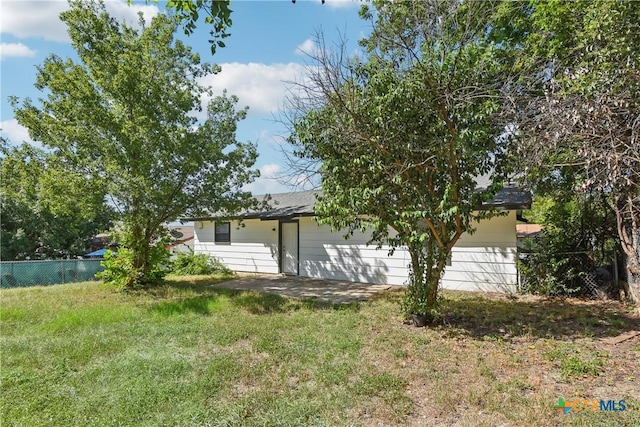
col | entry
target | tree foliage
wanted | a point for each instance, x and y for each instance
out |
(47, 210)
(217, 15)
(403, 132)
(576, 106)
(126, 113)
(578, 239)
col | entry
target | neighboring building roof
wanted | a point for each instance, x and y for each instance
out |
(97, 254)
(180, 234)
(509, 198)
(528, 230)
(300, 203)
(284, 205)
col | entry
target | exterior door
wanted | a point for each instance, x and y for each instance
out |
(289, 241)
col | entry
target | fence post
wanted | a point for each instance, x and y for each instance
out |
(616, 278)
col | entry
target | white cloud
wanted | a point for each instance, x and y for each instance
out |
(270, 170)
(8, 50)
(274, 179)
(343, 4)
(262, 87)
(307, 47)
(15, 132)
(273, 138)
(34, 19)
(268, 182)
(24, 19)
(129, 14)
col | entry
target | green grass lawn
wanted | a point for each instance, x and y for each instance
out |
(191, 354)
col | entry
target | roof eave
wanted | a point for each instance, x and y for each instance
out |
(260, 216)
(506, 206)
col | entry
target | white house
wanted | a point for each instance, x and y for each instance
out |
(287, 239)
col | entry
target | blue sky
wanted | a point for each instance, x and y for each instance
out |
(264, 51)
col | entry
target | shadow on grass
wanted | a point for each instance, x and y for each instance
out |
(204, 298)
(499, 318)
(196, 305)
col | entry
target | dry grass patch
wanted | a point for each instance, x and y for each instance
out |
(190, 353)
(501, 361)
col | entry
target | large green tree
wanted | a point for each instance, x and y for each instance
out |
(126, 112)
(48, 211)
(576, 106)
(403, 131)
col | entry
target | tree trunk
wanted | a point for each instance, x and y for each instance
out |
(139, 246)
(633, 268)
(628, 218)
(634, 289)
(427, 265)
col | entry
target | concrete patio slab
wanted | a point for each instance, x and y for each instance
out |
(333, 291)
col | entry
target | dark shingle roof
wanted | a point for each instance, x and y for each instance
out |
(275, 206)
(284, 205)
(509, 198)
(300, 203)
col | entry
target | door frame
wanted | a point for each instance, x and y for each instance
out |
(281, 252)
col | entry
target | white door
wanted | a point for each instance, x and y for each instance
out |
(290, 247)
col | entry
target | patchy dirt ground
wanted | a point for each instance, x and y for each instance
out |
(525, 353)
(492, 359)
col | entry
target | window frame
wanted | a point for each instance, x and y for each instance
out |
(219, 237)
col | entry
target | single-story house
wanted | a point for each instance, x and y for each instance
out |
(287, 239)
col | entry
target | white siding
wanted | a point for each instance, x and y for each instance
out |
(484, 260)
(253, 246)
(327, 254)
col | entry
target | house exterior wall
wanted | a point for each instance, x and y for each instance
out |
(485, 260)
(328, 254)
(253, 246)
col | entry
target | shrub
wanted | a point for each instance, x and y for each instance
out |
(119, 270)
(578, 237)
(545, 270)
(188, 264)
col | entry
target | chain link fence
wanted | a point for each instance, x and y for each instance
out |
(584, 274)
(49, 272)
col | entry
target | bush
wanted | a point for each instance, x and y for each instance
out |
(119, 270)
(189, 264)
(579, 236)
(545, 270)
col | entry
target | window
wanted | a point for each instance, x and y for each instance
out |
(223, 232)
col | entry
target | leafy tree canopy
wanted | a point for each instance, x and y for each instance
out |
(48, 211)
(127, 113)
(576, 105)
(217, 15)
(403, 132)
